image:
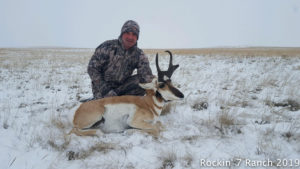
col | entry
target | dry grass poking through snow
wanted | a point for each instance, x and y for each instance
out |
(240, 103)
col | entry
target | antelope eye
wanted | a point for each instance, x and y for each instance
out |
(162, 85)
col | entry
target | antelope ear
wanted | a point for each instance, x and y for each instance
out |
(146, 86)
(154, 80)
(151, 85)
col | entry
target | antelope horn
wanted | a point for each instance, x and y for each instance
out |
(172, 67)
(160, 74)
(170, 70)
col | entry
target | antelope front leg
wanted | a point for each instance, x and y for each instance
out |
(146, 126)
(160, 126)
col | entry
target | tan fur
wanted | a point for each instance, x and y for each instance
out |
(90, 112)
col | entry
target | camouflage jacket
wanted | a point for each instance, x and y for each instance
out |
(111, 65)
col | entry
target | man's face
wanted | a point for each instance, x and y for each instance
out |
(129, 39)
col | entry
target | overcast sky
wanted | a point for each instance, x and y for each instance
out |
(163, 23)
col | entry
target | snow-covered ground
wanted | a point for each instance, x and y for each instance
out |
(238, 112)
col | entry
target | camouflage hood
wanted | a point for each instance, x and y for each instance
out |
(131, 26)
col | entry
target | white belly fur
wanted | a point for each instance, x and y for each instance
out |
(117, 117)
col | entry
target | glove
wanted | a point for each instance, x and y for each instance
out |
(111, 93)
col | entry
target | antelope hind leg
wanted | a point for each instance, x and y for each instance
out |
(86, 116)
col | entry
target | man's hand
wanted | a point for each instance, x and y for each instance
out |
(111, 93)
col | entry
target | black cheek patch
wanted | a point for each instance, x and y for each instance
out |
(176, 92)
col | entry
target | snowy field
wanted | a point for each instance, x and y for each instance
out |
(238, 112)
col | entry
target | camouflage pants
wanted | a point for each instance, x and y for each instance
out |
(129, 87)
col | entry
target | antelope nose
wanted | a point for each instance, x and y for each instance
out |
(181, 95)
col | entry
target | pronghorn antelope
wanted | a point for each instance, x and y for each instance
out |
(116, 114)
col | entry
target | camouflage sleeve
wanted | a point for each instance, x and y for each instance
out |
(96, 72)
(143, 70)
